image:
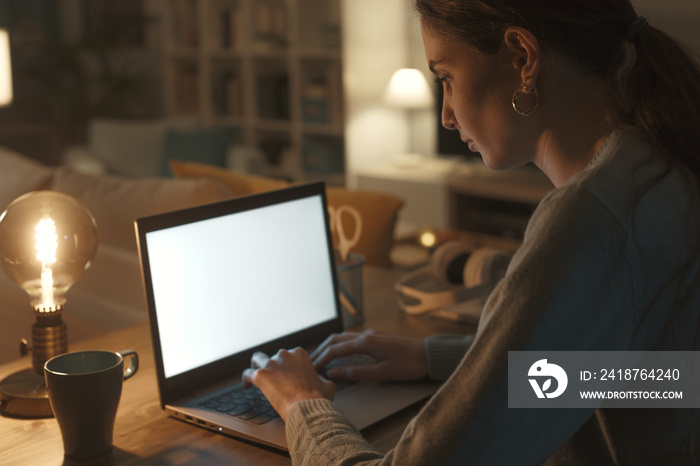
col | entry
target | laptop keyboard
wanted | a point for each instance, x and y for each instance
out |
(248, 404)
(251, 405)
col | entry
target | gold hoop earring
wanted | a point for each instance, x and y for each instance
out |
(526, 90)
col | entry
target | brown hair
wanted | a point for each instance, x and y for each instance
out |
(655, 82)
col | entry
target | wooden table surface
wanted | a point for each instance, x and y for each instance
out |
(143, 434)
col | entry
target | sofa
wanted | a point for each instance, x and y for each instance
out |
(110, 295)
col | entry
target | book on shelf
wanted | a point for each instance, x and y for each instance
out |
(321, 98)
(272, 92)
(226, 94)
(187, 89)
(322, 156)
(335, 93)
(331, 27)
(270, 23)
(184, 17)
(315, 102)
(227, 27)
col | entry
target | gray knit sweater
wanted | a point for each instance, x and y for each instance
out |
(595, 272)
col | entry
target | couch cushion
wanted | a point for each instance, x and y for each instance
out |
(242, 184)
(202, 145)
(379, 210)
(116, 202)
(20, 175)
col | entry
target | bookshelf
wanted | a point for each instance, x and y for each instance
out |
(271, 68)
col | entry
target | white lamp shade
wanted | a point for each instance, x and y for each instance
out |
(5, 69)
(408, 88)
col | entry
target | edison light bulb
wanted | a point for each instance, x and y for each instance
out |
(47, 240)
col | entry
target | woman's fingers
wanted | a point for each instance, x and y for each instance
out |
(336, 339)
(259, 359)
(287, 377)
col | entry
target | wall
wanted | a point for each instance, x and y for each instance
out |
(679, 18)
(374, 46)
(423, 126)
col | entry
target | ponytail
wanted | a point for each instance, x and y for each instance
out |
(657, 90)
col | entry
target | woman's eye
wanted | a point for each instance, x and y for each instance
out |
(442, 79)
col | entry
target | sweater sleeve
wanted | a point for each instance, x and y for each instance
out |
(318, 434)
(567, 288)
(311, 420)
(444, 353)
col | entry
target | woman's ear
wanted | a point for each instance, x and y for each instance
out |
(525, 54)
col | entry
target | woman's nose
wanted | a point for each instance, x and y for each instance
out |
(448, 116)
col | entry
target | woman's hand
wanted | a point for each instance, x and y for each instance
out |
(287, 377)
(397, 358)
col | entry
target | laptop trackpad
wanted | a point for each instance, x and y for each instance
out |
(365, 403)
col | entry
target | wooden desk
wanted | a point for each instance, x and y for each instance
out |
(143, 434)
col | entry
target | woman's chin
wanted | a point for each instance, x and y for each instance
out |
(499, 164)
(494, 164)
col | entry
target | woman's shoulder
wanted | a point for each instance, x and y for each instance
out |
(629, 188)
(626, 176)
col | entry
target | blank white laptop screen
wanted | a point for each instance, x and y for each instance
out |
(230, 283)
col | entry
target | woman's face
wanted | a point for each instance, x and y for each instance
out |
(477, 100)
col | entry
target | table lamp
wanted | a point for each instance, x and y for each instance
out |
(47, 242)
(5, 69)
(408, 89)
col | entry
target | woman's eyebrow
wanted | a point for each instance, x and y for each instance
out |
(432, 63)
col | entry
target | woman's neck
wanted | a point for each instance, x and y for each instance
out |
(576, 124)
(564, 160)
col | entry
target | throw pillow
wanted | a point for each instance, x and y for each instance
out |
(116, 202)
(128, 147)
(133, 147)
(20, 175)
(207, 146)
(379, 210)
(242, 184)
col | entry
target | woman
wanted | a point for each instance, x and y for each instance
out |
(607, 107)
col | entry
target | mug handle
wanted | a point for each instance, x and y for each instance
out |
(133, 366)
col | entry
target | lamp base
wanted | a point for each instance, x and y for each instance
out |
(24, 395)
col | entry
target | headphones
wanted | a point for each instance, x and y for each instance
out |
(462, 271)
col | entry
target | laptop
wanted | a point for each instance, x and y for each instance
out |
(225, 280)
